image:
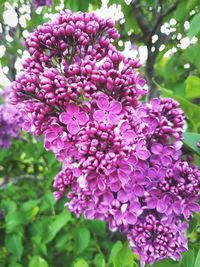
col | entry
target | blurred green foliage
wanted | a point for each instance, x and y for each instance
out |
(35, 231)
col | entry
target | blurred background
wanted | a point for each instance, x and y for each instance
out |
(35, 230)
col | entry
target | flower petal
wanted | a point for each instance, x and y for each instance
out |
(99, 115)
(122, 196)
(115, 107)
(123, 176)
(161, 206)
(72, 109)
(138, 190)
(82, 118)
(65, 117)
(115, 187)
(134, 206)
(73, 127)
(194, 207)
(129, 135)
(143, 154)
(168, 150)
(103, 103)
(113, 118)
(156, 148)
(125, 168)
(166, 160)
(131, 218)
(152, 202)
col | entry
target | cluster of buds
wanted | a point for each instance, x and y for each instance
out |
(122, 159)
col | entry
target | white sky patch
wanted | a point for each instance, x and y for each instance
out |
(162, 47)
(22, 20)
(172, 22)
(186, 25)
(129, 51)
(143, 54)
(170, 52)
(10, 16)
(4, 81)
(114, 11)
(2, 50)
(154, 38)
(184, 43)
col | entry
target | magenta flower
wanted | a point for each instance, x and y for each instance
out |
(121, 158)
(73, 118)
(108, 111)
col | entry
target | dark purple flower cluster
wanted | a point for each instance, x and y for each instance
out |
(38, 3)
(10, 120)
(121, 158)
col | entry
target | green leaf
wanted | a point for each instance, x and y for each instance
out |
(82, 239)
(81, 263)
(197, 262)
(57, 225)
(14, 244)
(30, 204)
(73, 5)
(190, 140)
(3, 154)
(194, 26)
(167, 263)
(37, 261)
(189, 55)
(130, 21)
(191, 4)
(124, 257)
(15, 265)
(99, 261)
(98, 227)
(192, 87)
(14, 220)
(83, 5)
(181, 11)
(188, 258)
(115, 249)
(191, 110)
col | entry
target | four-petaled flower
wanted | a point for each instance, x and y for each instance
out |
(73, 118)
(108, 111)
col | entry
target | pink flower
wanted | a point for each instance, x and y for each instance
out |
(107, 110)
(73, 118)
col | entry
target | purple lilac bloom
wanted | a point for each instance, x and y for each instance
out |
(38, 3)
(10, 120)
(122, 159)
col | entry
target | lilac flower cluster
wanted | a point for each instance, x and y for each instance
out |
(10, 120)
(121, 158)
(39, 3)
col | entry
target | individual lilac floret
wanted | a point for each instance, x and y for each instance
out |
(108, 111)
(121, 159)
(73, 118)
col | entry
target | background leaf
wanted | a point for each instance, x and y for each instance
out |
(82, 239)
(124, 257)
(194, 26)
(192, 87)
(191, 139)
(37, 261)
